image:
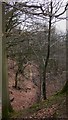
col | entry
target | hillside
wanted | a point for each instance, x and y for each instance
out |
(54, 107)
(28, 91)
(26, 99)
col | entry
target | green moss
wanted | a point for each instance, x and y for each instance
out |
(65, 88)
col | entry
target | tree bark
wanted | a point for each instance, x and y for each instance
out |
(5, 91)
(1, 59)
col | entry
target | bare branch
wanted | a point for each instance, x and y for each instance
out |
(62, 12)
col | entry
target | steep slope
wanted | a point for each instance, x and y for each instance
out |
(54, 107)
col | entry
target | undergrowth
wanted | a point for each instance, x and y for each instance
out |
(55, 99)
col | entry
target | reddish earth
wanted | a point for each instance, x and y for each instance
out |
(46, 112)
(30, 92)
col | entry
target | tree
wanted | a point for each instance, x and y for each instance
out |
(6, 28)
(20, 70)
(65, 88)
(48, 10)
(17, 49)
(1, 60)
(51, 12)
(6, 106)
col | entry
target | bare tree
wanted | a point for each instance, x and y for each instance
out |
(9, 22)
(50, 11)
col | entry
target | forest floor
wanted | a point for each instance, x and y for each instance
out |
(26, 103)
(54, 107)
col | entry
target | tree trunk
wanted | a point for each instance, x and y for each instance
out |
(16, 79)
(47, 57)
(5, 91)
(65, 88)
(44, 84)
(0, 59)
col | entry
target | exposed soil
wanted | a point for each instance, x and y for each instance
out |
(29, 86)
(28, 92)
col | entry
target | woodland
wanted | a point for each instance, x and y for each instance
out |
(34, 73)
